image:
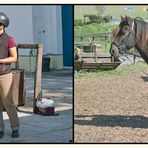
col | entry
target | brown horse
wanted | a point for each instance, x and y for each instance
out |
(132, 33)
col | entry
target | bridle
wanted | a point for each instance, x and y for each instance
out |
(122, 45)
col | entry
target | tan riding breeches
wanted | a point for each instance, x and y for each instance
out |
(6, 82)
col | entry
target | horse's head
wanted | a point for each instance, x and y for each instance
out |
(124, 38)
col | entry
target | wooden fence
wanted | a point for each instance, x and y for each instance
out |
(98, 38)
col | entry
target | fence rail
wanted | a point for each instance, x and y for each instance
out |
(98, 38)
(100, 34)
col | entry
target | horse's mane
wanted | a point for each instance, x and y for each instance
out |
(139, 18)
(114, 33)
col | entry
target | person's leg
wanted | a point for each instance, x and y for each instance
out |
(1, 120)
(6, 82)
(1, 116)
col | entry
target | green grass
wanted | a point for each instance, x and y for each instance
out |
(93, 29)
(139, 66)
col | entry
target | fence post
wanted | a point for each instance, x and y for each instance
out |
(38, 76)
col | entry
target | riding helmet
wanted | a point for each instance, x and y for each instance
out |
(4, 19)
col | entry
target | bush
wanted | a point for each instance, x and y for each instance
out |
(107, 18)
(86, 19)
(78, 22)
(89, 18)
(93, 18)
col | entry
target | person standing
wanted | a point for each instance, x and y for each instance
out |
(8, 55)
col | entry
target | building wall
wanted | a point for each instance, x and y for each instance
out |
(47, 28)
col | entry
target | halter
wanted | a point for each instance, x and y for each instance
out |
(122, 45)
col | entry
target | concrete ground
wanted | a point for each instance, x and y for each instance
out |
(128, 60)
(34, 128)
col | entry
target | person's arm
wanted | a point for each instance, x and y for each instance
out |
(12, 56)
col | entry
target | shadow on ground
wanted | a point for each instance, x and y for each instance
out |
(145, 79)
(137, 121)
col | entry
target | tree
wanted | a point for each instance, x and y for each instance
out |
(100, 10)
